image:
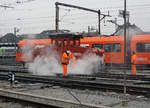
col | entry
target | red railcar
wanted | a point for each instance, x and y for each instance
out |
(71, 42)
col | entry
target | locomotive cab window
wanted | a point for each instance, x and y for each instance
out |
(71, 43)
(59, 43)
(65, 42)
(112, 47)
(25, 48)
(143, 47)
(77, 43)
(100, 46)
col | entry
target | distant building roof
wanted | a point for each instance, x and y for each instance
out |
(131, 30)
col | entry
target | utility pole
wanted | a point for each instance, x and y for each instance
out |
(124, 102)
(57, 18)
(15, 36)
(89, 29)
(99, 22)
(115, 24)
(124, 15)
(15, 33)
(81, 8)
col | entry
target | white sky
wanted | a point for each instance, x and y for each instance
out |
(38, 15)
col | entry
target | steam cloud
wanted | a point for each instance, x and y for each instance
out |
(46, 64)
(49, 65)
(88, 64)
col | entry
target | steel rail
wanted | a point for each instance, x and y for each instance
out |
(84, 84)
(112, 75)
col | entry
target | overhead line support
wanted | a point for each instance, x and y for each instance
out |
(81, 8)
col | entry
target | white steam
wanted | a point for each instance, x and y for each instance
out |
(28, 55)
(46, 64)
(50, 65)
(88, 64)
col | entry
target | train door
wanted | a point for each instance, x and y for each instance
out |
(113, 53)
(142, 52)
(141, 46)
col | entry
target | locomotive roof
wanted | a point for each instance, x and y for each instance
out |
(102, 39)
(65, 35)
(34, 42)
(92, 39)
(141, 37)
(114, 39)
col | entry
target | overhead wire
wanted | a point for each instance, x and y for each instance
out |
(85, 19)
(72, 14)
(115, 7)
(48, 17)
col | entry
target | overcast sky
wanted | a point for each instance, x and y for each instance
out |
(33, 16)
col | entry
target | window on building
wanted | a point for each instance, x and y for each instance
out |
(100, 46)
(112, 47)
(143, 47)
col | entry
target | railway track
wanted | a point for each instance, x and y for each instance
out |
(107, 70)
(111, 75)
(36, 101)
(79, 83)
(142, 77)
(103, 81)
